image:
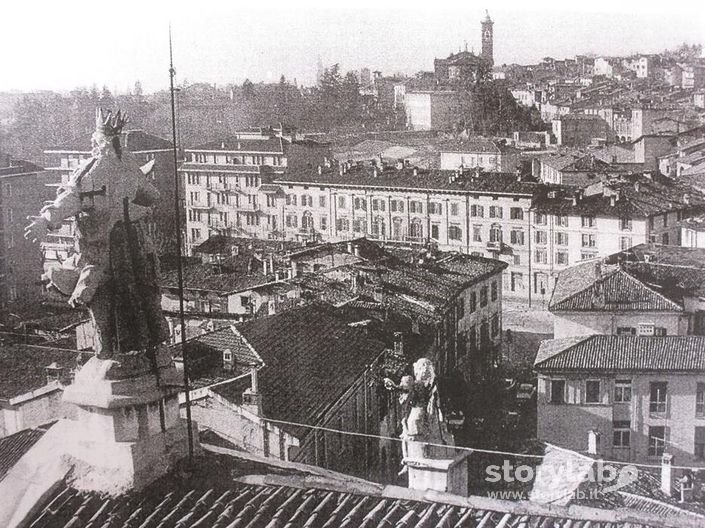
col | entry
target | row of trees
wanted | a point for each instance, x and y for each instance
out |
(206, 113)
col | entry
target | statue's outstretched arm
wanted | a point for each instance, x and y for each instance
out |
(66, 204)
(147, 194)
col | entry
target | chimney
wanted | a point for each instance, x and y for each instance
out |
(251, 398)
(398, 344)
(356, 250)
(613, 200)
(265, 266)
(374, 172)
(350, 247)
(341, 169)
(575, 200)
(276, 276)
(686, 199)
(354, 282)
(53, 373)
(222, 144)
(667, 474)
(593, 442)
(636, 186)
(320, 170)
(416, 171)
(379, 294)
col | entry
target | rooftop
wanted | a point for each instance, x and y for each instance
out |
(592, 286)
(270, 145)
(27, 364)
(225, 490)
(630, 196)
(407, 178)
(19, 167)
(609, 353)
(311, 357)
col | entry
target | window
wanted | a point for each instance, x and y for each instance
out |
(561, 238)
(517, 237)
(342, 202)
(477, 233)
(435, 208)
(460, 308)
(517, 281)
(589, 240)
(454, 209)
(473, 302)
(664, 239)
(657, 440)
(621, 433)
(290, 199)
(496, 234)
(195, 234)
(699, 444)
(195, 198)
(416, 230)
(557, 391)
(562, 220)
(540, 256)
(321, 201)
(540, 219)
(461, 343)
(306, 221)
(561, 258)
(324, 223)
(493, 294)
(657, 400)
(435, 231)
(360, 204)
(700, 400)
(625, 223)
(626, 330)
(378, 204)
(517, 260)
(416, 207)
(472, 338)
(342, 224)
(587, 255)
(587, 221)
(359, 226)
(396, 206)
(291, 221)
(483, 296)
(306, 200)
(541, 237)
(623, 391)
(665, 220)
(477, 211)
(271, 200)
(625, 243)
(592, 391)
(496, 211)
(455, 232)
(516, 213)
(494, 325)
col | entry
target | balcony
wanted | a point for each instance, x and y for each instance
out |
(494, 245)
(248, 208)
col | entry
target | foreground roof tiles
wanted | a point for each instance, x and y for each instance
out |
(213, 496)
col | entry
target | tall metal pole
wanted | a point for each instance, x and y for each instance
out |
(179, 264)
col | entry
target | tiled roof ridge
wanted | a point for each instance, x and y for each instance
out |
(578, 292)
(668, 505)
(675, 305)
(474, 502)
(248, 345)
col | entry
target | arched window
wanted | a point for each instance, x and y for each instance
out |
(416, 229)
(378, 228)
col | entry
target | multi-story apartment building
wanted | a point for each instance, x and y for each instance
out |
(226, 182)
(22, 191)
(489, 155)
(605, 218)
(62, 160)
(579, 130)
(638, 397)
(537, 231)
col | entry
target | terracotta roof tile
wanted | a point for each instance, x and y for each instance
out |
(14, 446)
(27, 364)
(616, 353)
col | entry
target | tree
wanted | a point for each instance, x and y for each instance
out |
(248, 89)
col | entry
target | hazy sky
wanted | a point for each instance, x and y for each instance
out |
(61, 45)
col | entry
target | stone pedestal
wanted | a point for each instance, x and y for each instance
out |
(128, 431)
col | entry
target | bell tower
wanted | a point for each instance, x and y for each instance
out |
(487, 51)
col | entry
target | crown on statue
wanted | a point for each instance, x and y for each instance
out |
(109, 123)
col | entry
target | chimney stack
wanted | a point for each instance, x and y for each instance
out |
(320, 170)
(416, 171)
(593, 442)
(667, 474)
(613, 200)
(251, 398)
(398, 344)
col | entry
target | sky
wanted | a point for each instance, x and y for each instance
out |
(61, 45)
